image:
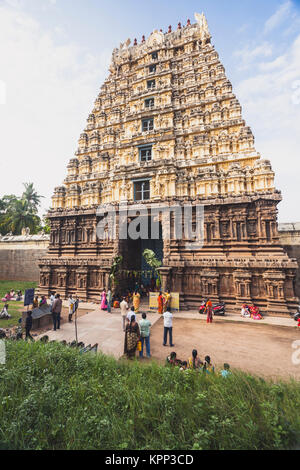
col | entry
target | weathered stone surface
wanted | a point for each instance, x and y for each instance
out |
(290, 239)
(19, 256)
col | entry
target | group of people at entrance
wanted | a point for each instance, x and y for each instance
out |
(137, 333)
(108, 301)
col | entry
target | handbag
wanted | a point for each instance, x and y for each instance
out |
(139, 346)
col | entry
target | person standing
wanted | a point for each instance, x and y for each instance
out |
(109, 300)
(103, 300)
(136, 300)
(71, 307)
(124, 309)
(145, 326)
(132, 337)
(35, 303)
(28, 326)
(160, 301)
(167, 304)
(168, 327)
(76, 305)
(52, 298)
(131, 314)
(208, 309)
(56, 312)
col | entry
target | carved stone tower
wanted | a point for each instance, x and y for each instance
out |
(166, 127)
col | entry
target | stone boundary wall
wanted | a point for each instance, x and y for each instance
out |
(289, 235)
(19, 256)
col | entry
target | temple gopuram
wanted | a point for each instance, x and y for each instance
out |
(167, 128)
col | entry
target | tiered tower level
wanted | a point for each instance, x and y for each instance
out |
(166, 127)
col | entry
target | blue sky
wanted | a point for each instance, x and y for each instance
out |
(54, 55)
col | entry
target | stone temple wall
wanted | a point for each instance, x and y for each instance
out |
(19, 257)
(290, 240)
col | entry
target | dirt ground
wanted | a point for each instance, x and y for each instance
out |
(259, 349)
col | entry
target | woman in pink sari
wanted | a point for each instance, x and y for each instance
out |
(103, 300)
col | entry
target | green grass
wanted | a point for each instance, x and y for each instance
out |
(15, 308)
(54, 398)
(6, 286)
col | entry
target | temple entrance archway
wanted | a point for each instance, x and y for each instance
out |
(135, 270)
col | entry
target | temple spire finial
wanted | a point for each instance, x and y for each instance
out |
(202, 22)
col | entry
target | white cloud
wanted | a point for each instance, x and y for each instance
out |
(50, 86)
(251, 52)
(279, 16)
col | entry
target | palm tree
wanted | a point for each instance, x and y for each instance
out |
(5, 204)
(21, 215)
(31, 197)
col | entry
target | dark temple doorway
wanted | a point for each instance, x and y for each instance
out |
(135, 271)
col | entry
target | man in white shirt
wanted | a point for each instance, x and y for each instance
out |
(131, 314)
(124, 308)
(52, 298)
(71, 307)
(168, 327)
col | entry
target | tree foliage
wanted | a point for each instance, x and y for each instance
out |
(114, 270)
(153, 262)
(17, 213)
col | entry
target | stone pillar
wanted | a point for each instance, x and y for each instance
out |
(62, 281)
(165, 273)
(82, 283)
(45, 281)
(242, 283)
(274, 282)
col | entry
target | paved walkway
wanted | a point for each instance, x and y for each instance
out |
(97, 327)
(106, 329)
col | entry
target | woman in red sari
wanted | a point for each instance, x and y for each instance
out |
(160, 301)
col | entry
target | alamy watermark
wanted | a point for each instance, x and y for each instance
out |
(2, 92)
(296, 94)
(296, 353)
(2, 352)
(183, 223)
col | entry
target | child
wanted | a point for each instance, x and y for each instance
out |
(19, 296)
(4, 315)
(28, 326)
(172, 360)
(225, 372)
(208, 366)
(184, 366)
